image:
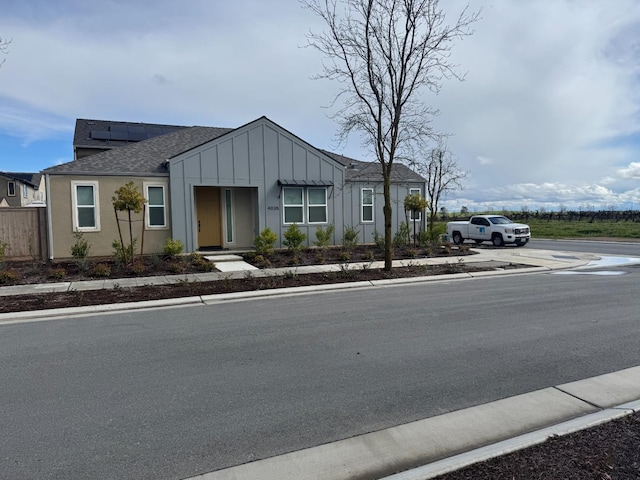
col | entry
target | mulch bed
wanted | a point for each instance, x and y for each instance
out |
(607, 452)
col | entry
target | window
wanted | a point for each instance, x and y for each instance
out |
(293, 201)
(366, 203)
(228, 209)
(293, 205)
(11, 189)
(85, 206)
(156, 210)
(25, 190)
(415, 216)
(317, 205)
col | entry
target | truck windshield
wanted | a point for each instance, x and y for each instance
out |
(499, 220)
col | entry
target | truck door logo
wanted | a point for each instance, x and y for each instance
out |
(481, 229)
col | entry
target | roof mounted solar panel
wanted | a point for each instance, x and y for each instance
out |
(137, 135)
(100, 135)
(118, 128)
(120, 135)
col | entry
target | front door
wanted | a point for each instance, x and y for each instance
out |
(208, 217)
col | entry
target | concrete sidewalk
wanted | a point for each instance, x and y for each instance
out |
(535, 260)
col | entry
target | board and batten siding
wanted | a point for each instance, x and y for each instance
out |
(254, 156)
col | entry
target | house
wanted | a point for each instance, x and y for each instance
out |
(19, 189)
(214, 188)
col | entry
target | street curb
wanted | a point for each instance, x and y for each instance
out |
(427, 448)
(222, 297)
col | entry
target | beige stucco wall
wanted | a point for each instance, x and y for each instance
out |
(100, 241)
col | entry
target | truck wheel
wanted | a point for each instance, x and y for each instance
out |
(457, 238)
(497, 240)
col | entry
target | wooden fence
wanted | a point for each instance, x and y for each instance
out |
(24, 232)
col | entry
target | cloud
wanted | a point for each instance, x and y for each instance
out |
(485, 161)
(631, 171)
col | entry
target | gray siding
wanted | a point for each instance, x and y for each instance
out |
(254, 156)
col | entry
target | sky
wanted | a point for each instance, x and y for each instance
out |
(547, 117)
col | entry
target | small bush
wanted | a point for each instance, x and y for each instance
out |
(101, 270)
(265, 242)
(172, 247)
(80, 248)
(8, 277)
(323, 237)
(378, 240)
(350, 237)
(262, 261)
(293, 239)
(58, 273)
(177, 267)
(123, 254)
(345, 256)
(401, 236)
(138, 268)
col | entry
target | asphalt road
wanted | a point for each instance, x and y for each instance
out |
(167, 394)
(631, 248)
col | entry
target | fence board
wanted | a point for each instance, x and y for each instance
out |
(24, 231)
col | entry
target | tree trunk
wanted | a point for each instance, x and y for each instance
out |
(130, 235)
(388, 245)
(119, 230)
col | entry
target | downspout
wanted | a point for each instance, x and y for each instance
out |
(47, 188)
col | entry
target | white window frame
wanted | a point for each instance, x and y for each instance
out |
(362, 205)
(413, 191)
(11, 185)
(96, 206)
(292, 205)
(317, 205)
(147, 220)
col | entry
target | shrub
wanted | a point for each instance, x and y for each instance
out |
(138, 268)
(58, 273)
(293, 239)
(8, 277)
(261, 261)
(80, 251)
(172, 248)
(123, 254)
(350, 238)
(4, 248)
(102, 270)
(401, 236)
(265, 242)
(378, 239)
(323, 237)
(177, 267)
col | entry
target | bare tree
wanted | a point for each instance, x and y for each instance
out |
(384, 54)
(4, 47)
(443, 175)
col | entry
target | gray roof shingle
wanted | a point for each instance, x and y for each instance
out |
(359, 171)
(146, 157)
(32, 179)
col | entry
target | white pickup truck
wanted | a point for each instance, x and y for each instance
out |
(496, 229)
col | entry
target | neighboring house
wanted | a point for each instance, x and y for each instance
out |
(216, 188)
(21, 189)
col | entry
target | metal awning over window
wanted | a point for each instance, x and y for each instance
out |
(328, 184)
(305, 183)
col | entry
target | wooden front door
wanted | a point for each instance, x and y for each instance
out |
(208, 217)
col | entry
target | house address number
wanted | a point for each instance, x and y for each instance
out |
(272, 207)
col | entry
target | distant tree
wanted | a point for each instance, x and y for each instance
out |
(4, 47)
(464, 211)
(443, 175)
(384, 54)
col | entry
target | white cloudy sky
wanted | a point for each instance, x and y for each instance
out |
(549, 113)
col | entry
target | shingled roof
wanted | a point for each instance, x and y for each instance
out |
(359, 171)
(146, 157)
(32, 179)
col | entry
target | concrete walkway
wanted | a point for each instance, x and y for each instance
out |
(418, 450)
